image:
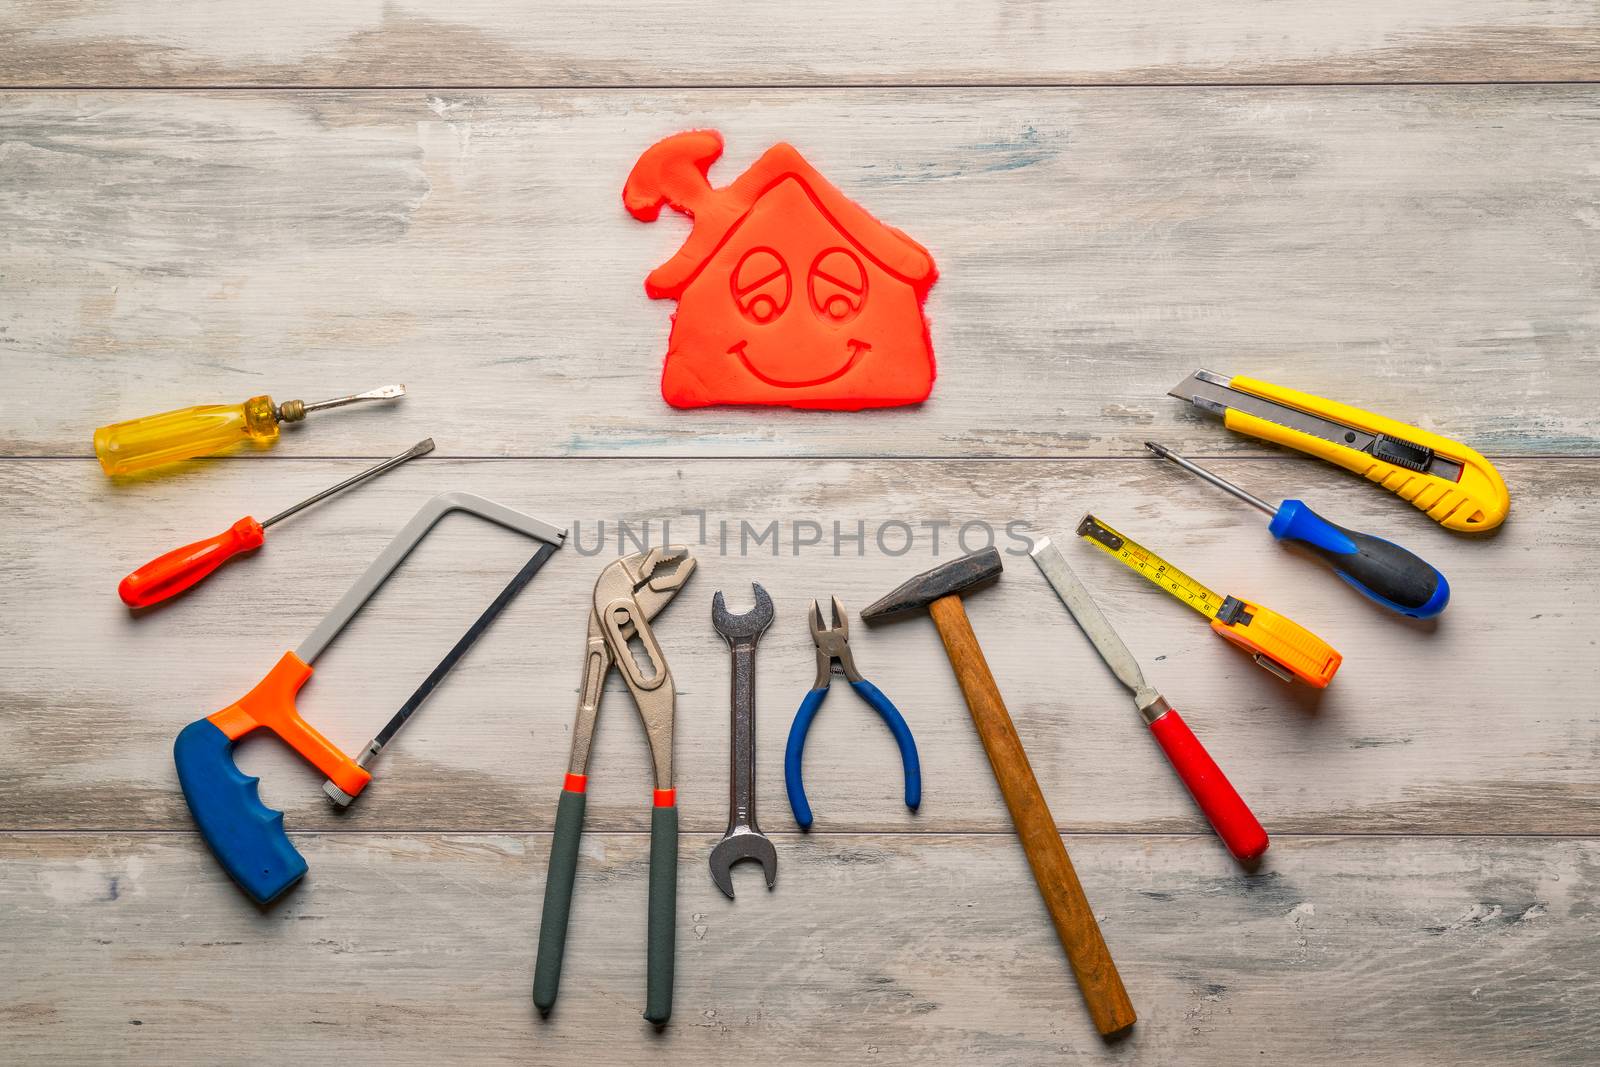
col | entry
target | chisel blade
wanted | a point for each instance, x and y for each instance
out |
(1091, 620)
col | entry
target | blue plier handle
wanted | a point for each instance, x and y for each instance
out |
(833, 645)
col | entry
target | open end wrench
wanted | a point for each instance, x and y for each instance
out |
(744, 839)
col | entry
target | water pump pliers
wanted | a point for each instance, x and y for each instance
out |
(630, 592)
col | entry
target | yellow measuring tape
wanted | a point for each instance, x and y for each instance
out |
(1278, 643)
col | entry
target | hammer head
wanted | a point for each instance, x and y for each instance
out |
(950, 579)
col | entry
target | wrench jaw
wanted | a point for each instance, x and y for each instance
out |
(742, 843)
(751, 624)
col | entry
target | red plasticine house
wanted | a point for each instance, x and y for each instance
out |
(788, 293)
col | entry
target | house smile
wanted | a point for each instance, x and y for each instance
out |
(856, 348)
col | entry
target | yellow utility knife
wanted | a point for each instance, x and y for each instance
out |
(1457, 487)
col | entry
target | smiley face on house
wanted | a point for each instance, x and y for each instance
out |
(787, 292)
(764, 290)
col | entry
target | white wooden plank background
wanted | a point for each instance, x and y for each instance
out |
(892, 948)
(432, 196)
(696, 42)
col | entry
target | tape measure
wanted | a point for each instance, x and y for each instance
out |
(1279, 644)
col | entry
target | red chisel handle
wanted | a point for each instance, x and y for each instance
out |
(176, 571)
(1230, 816)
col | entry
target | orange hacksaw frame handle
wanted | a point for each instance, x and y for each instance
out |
(271, 704)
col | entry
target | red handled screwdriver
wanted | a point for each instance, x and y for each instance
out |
(172, 573)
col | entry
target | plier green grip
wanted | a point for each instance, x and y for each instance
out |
(833, 647)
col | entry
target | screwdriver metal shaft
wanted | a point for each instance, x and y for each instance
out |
(295, 410)
(421, 448)
(1215, 479)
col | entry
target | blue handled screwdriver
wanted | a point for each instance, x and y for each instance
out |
(1380, 570)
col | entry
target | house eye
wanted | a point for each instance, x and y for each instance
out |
(761, 285)
(838, 285)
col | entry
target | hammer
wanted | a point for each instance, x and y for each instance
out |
(939, 590)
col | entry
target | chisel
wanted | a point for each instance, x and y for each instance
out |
(1227, 812)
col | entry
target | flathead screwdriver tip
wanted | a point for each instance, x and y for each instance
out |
(1159, 450)
(422, 447)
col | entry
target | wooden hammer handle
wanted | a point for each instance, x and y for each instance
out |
(1063, 895)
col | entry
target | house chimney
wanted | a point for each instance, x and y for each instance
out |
(673, 171)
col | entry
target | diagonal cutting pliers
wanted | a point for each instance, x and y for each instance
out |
(833, 655)
(629, 593)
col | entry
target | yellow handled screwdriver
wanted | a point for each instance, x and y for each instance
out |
(207, 429)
